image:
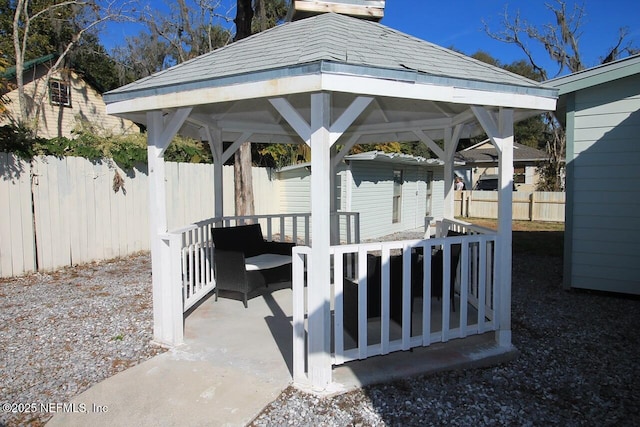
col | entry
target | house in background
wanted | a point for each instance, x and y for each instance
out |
(481, 160)
(392, 192)
(600, 108)
(65, 99)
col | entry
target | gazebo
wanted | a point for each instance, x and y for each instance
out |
(332, 81)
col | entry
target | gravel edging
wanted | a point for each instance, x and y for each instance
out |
(65, 331)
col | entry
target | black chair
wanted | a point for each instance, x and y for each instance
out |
(233, 245)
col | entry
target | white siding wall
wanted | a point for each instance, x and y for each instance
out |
(295, 191)
(438, 193)
(371, 195)
(605, 230)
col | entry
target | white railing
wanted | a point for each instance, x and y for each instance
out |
(193, 244)
(346, 226)
(445, 225)
(399, 312)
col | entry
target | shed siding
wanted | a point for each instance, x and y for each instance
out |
(371, 195)
(373, 191)
(606, 187)
(295, 191)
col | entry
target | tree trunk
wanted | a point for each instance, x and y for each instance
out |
(242, 158)
(243, 180)
(19, 53)
(244, 16)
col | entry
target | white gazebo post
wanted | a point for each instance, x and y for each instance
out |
(500, 131)
(320, 135)
(167, 294)
(319, 351)
(214, 137)
(451, 138)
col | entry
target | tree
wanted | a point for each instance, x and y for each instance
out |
(560, 40)
(3, 84)
(141, 56)
(91, 59)
(242, 175)
(56, 25)
(189, 30)
(244, 20)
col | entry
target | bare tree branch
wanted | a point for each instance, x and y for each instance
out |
(22, 20)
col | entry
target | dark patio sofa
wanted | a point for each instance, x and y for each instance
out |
(374, 286)
(245, 263)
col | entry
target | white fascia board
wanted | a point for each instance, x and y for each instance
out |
(410, 90)
(328, 82)
(236, 92)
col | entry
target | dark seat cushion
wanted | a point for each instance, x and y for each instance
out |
(247, 239)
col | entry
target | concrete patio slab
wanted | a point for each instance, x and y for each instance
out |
(235, 361)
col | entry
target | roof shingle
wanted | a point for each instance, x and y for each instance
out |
(331, 38)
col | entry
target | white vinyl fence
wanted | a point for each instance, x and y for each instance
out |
(527, 206)
(56, 212)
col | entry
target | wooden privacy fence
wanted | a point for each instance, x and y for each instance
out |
(57, 212)
(527, 206)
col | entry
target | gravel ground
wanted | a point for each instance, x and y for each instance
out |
(579, 362)
(579, 366)
(62, 332)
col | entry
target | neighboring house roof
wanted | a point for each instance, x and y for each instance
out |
(487, 153)
(10, 73)
(597, 75)
(330, 43)
(591, 77)
(380, 156)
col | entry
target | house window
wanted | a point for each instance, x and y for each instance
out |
(60, 93)
(397, 195)
(519, 175)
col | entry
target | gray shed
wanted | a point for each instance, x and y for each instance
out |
(601, 109)
(391, 192)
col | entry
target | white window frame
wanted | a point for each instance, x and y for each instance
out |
(60, 93)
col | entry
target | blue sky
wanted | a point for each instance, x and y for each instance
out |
(459, 24)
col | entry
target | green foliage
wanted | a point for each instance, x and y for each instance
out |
(62, 146)
(125, 150)
(19, 140)
(273, 14)
(187, 150)
(91, 59)
(281, 155)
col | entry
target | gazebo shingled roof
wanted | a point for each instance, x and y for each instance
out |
(332, 40)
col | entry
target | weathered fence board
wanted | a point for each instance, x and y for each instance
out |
(17, 247)
(527, 206)
(64, 211)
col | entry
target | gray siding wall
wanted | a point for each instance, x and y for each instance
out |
(371, 195)
(603, 151)
(295, 194)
